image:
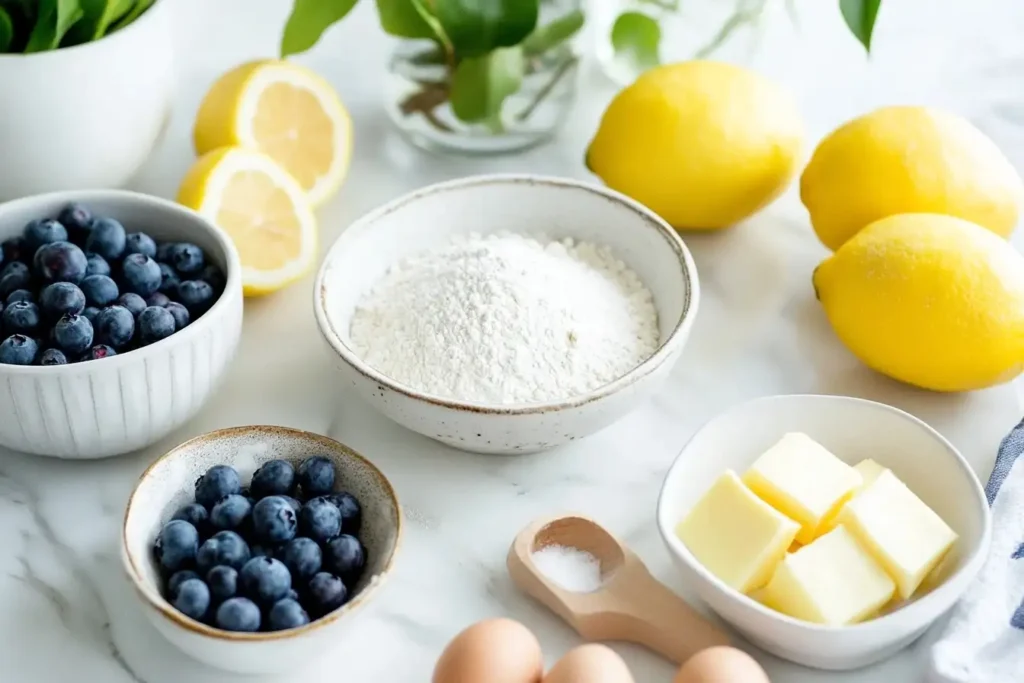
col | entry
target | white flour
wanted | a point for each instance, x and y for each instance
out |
(507, 319)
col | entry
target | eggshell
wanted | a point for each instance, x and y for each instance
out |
(590, 664)
(492, 651)
(721, 665)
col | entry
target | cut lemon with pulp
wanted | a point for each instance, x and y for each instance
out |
(264, 210)
(286, 111)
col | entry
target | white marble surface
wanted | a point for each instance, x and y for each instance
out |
(67, 614)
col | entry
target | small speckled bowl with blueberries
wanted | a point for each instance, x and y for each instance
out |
(250, 545)
(118, 315)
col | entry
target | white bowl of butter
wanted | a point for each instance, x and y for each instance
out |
(830, 531)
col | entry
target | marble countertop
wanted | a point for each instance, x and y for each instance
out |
(68, 614)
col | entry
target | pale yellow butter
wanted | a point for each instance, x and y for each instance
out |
(903, 534)
(737, 536)
(832, 581)
(801, 479)
(868, 470)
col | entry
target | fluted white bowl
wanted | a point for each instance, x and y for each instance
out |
(115, 405)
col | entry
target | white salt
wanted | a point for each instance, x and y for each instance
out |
(569, 568)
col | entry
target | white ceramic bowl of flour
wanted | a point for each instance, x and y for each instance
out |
(609, 285)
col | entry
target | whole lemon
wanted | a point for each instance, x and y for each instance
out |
(703, 144)
(908, 160)
(931, 300)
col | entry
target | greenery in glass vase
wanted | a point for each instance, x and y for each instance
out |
(41, 25)
(486, 48)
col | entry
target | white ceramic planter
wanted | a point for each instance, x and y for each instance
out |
(86, 116)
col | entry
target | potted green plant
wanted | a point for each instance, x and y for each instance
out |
(466, 76)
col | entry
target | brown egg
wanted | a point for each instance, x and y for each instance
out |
(721, 665)
(492, 651)
(590, 664)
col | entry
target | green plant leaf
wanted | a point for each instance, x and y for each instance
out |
(97, 17)
(400, 18)
(554, 33)
(134, 13)
(475, 27)
(481, 84)
(6, 31)
(860, 16)
(53, 21)
(308, 21)
(636, 38)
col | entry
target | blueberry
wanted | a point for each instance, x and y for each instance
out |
(262, 551)
(61, 298)
(20, 295)
(351, 512)
(316, 476)
(274, 520)
(223, 583)
(140, 274)
(77, 219)
(265, 580)
(219, 481)
(53, 357)
(176, 546)
(346, 557)
(169, 280)
(91, 312)
(15, 275)
(107, 238)
(273, 478)
(15, 249)
(193, 599)
(286, 614)
(186, 258)
(160, 300)
(140, 243)
(133, 302)
(97, 352)
(178, 578)
(230, 511)
(196, 515)
(61, 262)
(18, 350)
(73, 334)
(303, 558)
(294, 502)
(238, 614)
(326, 593)
(223, 548)
(292, 595)
(214, 277)
(180, 315)
(155, 323)
(99, 290)
(43, 231)
(196, 295)
(21, 317)
(163, 251)
(115, 326)
(96, 265)
(320, 520)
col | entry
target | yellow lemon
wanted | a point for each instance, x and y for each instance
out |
(286, 111)
(931, 300)
(703, 144)
(263, 209)
(908, 160)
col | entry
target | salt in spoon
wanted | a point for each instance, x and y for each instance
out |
(631, 605)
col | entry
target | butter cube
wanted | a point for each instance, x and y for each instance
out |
(868, 470)
(902, 533)
(801, 479)
(737, 536)
(832, 581)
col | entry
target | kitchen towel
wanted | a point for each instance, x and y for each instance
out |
(984, 640)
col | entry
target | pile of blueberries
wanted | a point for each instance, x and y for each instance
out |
(79, 287)
(267, 558)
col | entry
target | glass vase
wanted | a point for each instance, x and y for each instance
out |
(418, 86)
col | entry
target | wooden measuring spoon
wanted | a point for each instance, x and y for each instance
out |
(631, 605)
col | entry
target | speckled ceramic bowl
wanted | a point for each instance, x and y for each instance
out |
(169, 483)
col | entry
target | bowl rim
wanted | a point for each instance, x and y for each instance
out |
(160, 604)
(914, 613)
(233, 276)
(665, 351)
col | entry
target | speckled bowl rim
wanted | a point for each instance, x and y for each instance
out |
(232, 275)
(157, 601)
(664, 352)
